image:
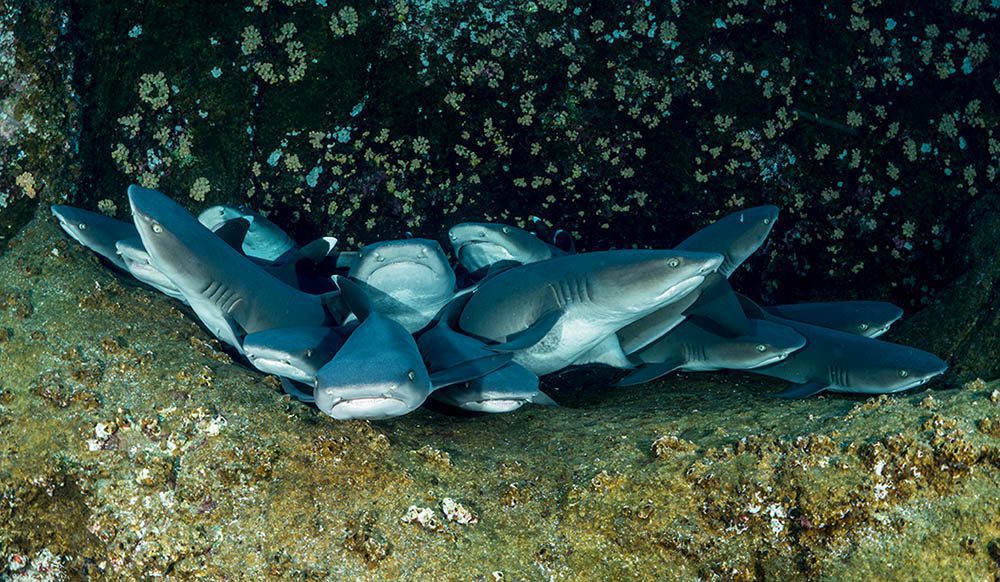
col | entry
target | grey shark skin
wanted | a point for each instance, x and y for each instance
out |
(834, 361)
(137, 263)
(264, 240)
(714, 300)
(480, 245)
(867, 318)
(694, 348)
(551, 313)
(296, 353)
(408, 280)
(735, 236)
(504, 390)
(378, 372)
(229, 293)
(95, 231)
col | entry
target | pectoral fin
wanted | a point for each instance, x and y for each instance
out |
(233, 232)
(648, 373)
(801, 390)
(470, 370)
(292, 389)
(542, 399)
(531, 336)
(718, 309)
(317, 250)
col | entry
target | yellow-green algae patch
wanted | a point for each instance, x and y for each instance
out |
(131, 446)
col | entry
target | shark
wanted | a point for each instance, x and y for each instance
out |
(409, 280)
(97, 232)
(481, 245)
(692, 347)
(229, 293)
(137, 263)
(503, 390)
(378, 372)
(835, 361)
(295, 353)
(553, 312)
(264, 240)
(867, 318)
(735, 236)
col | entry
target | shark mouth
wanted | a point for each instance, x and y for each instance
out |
(70, 231)
(772, 360)
(370, 408)
(498, 405)
(481, 252)
(282, 367)
(681, 289)
(877, 332)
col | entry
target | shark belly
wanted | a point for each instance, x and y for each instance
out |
(575, 334)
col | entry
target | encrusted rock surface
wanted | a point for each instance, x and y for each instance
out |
(131, 446)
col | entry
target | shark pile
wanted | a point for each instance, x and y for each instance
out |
(373, 333)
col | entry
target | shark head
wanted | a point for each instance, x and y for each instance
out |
(478, 245)
(893, 368)
(735, 236)
(215, 216)
(503, 390)
(405, 269)
(77, 223)
(296, 353)
(95, 231)
(264, 239)
(638, 281)
(178, 245)
(876, 317)
(766, 343)
(377, 373)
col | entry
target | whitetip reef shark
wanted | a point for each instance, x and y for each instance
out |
(692, 347)
(835, 361)
(231, 294)
(481, 245)
(408, 280)
(553, 312)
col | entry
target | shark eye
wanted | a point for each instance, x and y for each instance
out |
(157, 228)
(309, 353)
(767, 221)
(82, 226)
(674, 263)
(864, 327)
(505, 230)
(411, 375)
(903, 373)
(761, 348)
(379, 257)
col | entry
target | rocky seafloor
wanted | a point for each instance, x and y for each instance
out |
(131, 447)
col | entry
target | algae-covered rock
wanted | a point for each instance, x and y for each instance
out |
(627, 123)
(133, 446)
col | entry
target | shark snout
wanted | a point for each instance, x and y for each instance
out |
(710, 265)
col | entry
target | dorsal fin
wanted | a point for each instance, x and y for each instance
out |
(234, 232)
(750, 307)
(317, 250)
(452, 311)
(564, 241)
(355, 298)
(718, 309)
